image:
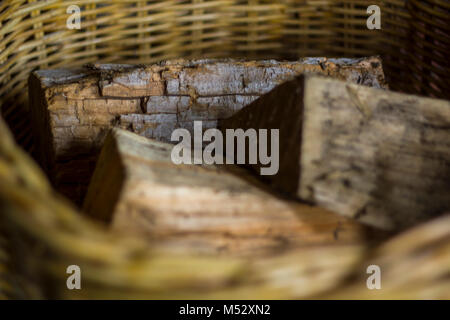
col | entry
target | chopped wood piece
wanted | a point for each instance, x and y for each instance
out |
(210, 209)
(377, 156)
(73, 109)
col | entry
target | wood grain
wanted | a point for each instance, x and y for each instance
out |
(377, 156)
(205, 208)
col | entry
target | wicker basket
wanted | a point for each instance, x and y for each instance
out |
(430, 39)
(40, 234)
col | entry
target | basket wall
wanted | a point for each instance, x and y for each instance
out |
(40, 234)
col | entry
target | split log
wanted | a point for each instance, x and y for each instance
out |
(73, 109)
(377, 156)
(210, 209)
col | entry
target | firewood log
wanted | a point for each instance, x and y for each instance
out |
(210, 209)
(378, 156)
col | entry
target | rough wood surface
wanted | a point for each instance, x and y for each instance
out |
(73, 109)
(210, 209)
(377, 156)
(226, 77)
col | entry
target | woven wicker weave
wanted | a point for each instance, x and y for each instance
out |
(430, 36)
